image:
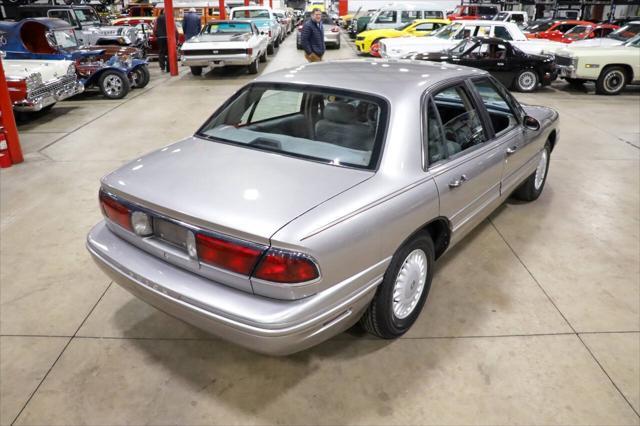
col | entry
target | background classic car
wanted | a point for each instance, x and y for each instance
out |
(449, 36)
(368, 41)
(615, 38)
(588, 32)
(112, 69)
(399, 175)
(611, 67)
(38, 84)
(265, 21)
(515, 69)
(225, 43)
(553, 29)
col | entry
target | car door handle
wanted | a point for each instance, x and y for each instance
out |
(456, 183)
(512, 150)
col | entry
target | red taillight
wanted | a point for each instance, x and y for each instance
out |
(269, 33)
(249, 51)
(115, 211)
(225, 254)
(283, 267)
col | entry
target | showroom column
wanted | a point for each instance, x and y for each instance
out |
(8, 121)
(222, 11)
(343, 7)
(171, 39)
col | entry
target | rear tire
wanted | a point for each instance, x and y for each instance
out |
(612, 81)
(526, 81)
(531, 188)
(263, 57)
(270, 49)
(401, 295)
(140, 77)
(196, 71)
(254, 67)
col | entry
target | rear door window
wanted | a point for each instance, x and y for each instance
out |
(409, 15)
(387, 17)
(502, 116)
(502, 32)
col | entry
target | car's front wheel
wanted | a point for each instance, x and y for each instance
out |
(526, 81)
(114, 84)
(611, 81)
(401, 295)
(531, 188)
(263, 57)
(196, 70)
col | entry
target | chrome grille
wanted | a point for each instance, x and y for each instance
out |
(563, 60)
(53, 87)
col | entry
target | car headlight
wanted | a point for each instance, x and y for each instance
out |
(33, 81)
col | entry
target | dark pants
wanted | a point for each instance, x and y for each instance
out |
(162, 54)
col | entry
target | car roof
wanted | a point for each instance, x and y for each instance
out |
(395, 80)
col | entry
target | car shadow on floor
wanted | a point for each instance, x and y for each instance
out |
(24, 120)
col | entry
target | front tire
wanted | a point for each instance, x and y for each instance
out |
(531, 188)
(611, 81)
(263, 57)
(113, 84)
(401, 295)
(196, 71)
(140, 77)
(526, 81)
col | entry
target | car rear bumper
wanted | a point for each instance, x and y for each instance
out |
(216, 61)
(270, 326)
(332, 38)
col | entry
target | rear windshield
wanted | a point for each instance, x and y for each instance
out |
(228, 28)
(626, 32)
(251, 14)
(337, 127)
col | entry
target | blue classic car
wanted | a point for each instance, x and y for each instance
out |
(114, 70)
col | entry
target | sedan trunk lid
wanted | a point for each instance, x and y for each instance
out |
(243, 192)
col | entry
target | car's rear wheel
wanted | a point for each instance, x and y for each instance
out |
(531, 188)
(263, 57)
(140, 77)
(196, 70)
(113, 84)
(270, 49)
(526, 81)
(611, 81)
(401, 295)
(254, 67)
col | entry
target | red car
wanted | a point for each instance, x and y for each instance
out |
(552, 29)
(585, 32)
(473, 12)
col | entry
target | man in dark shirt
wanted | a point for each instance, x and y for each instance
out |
(161, 34)
(312, 37)
(191, 24)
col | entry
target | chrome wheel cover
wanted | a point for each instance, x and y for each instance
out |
(409, 284)
(527, 80)
(541, 170)
(113, 85)
(614, 81)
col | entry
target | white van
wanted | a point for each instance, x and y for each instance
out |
(397, 14)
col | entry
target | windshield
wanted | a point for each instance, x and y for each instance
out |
(538, 26)
(635, 42)
(87, 16)
(578, 32)
(228, 28)
(626, 32)
(336, 127)
(447, 32)
(65, 38)
(251, 14)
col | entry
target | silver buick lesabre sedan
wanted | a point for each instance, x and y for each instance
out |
(319, 196)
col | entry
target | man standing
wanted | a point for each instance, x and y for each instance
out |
(161, 34)
(191, 24)
(312, 37)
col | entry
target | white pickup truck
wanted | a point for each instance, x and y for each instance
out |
(37, 84)
(224, 43)
(449, 36)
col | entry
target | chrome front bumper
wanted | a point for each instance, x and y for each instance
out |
(566, 71)
(216, 61)
(49, 96)
(270, 326)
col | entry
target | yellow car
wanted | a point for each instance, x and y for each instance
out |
(367, 41)
(345, 20)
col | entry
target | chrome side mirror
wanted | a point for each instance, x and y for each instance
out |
(531, 123)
